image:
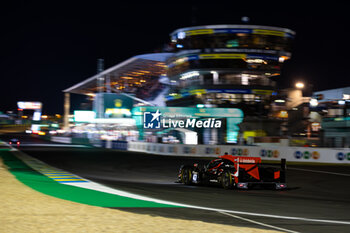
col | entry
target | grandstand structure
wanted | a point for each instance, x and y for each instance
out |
(140, 77)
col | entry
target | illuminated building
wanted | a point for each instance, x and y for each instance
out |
(334, 107)
(227, 65)
(222, 66)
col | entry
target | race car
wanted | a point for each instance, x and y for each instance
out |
(14, 141)
(235, 172)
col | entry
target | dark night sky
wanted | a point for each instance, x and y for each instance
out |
(49, 46)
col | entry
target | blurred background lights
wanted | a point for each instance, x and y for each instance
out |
(299, 85)
(245, 19)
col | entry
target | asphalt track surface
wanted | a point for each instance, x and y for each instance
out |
(315, 192)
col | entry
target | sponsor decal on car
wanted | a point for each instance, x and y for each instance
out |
(246, 160)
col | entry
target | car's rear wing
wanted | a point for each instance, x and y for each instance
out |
(252, 160)
(253, 170)
(282, 163)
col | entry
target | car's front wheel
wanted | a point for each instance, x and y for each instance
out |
(226, 180)
(186, 175)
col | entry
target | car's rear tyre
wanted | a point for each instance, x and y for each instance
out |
(226, 180)
(186, 176)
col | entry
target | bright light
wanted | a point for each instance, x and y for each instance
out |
(299, 85)
(190, 137)
(118, 111)
(53, 132)
(245, 79)
(84, 116)
(283, 58)
(181, 35)
(313, 102)
(341, 102)
(283, 114)
(120, 121)
(35, 128)
(36, 116)
(29, 105)
(215, 77)
(257, 60)
(44, 116)
(346, 96)
(280, 101)
(315, 126)
(189, 75)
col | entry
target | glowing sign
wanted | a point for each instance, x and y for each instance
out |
(123, 111)
(84, 116)
(29, 105)
(36, 116)
(282, 114)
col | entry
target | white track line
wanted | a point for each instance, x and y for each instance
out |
(102, 188)
(318, 171)
(98, 187)
(259, 223)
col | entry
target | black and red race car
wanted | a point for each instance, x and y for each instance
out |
(235, 172)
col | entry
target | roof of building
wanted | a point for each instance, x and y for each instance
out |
(136, 68)
(333, 94)
(238, 26)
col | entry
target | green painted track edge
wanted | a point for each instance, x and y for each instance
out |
(45, 185)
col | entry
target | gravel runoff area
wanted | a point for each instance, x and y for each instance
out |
(23, 209)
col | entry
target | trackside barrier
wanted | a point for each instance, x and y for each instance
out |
(294, 154)
(81, 141)
(70, 140)
(61, 139)
(119, 145)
